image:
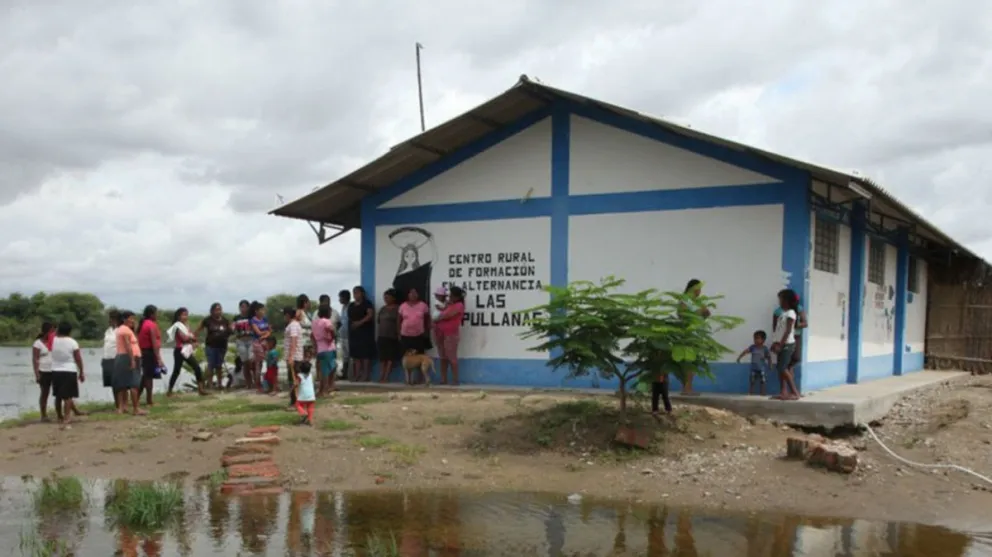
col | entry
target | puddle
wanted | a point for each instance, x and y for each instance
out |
(414, 524)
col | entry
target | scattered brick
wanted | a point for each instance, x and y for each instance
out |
(270, 439)
(817, 451)
(265, 491)
(633, 438)
(245, 458)
(262, 431)
(259, 470)
(251, 448)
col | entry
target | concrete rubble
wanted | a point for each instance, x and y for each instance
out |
(817, 451)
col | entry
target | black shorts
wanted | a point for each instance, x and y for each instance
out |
(65, 384)
(107, 367)
(389, 349)
(417, 344)
(148, 363)
(45, 379)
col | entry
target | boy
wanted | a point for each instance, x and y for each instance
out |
(271, 365)
(305, 396)
(760, 361)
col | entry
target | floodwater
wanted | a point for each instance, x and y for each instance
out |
(19, 392)
(420, 524)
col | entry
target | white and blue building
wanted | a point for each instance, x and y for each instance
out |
(541, 186)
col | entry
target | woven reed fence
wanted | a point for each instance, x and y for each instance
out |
(959, 317)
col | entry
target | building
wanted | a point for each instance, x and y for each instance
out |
(541, 186)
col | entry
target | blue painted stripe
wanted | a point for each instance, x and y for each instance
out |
(875, 367)
(796, 247)
(463, 212)
(823, 375)
(721, 153)
(902, 289)
(368, 248)
(669, 200)
(457, 157)
(913, 361)
(856, 292)
(560, 172)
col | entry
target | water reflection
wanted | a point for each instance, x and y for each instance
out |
(449, 524)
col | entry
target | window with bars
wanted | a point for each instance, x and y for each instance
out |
(876, 262)
(826, 245)
(913, 277)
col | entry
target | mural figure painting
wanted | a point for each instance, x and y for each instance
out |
(415, 266)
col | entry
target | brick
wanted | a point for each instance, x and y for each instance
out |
(819, 452)
(245, 458)
(633, 438)
(262, 470)
(240, 485)
(262, 431)
(265, 491)
(251, 448)
(269, 439)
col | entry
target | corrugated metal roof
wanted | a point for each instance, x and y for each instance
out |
(339, 202)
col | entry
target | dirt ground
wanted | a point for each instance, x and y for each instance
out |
(539, 442)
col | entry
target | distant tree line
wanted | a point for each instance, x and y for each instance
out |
(21, 316)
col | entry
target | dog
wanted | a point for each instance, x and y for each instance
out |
(413, 362)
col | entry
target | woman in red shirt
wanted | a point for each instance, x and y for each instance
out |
(150, 343)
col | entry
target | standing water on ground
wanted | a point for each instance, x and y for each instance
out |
(64, 518)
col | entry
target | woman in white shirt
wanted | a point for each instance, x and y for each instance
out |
(67, 372)
(110, 349)
(41, 361)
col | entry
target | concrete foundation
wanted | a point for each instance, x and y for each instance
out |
(842, 406)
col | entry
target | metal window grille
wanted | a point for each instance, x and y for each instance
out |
(876, 262)
(914, 276)
(826, 246)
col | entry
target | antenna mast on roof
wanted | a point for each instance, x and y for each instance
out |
(420, 89)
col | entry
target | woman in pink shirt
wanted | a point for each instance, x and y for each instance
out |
(415, 321)
(447, 334)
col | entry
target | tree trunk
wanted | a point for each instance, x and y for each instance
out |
(623, 399)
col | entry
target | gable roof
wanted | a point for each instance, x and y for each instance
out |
(339, 203)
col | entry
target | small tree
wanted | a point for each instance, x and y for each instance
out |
(591, 328)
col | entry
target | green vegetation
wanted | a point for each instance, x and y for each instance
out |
(382, 545)
(30, 545)
(145, 506)
(360, 400)
(584, 326)
(60, 494)
(373, 441)
(407, 455)
(337, 425)
(449, 420)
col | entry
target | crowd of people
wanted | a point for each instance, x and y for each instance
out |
(331, 343)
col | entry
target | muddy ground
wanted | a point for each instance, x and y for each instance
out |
(539, 442)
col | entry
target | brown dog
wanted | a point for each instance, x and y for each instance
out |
(413, 362)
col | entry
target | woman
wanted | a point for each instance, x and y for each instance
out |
(110, 349)
(305, 319)
(784, 344)
(67, 372)
(260, 331)
(361, 337)
(127, 373)
(243, 341)
(694, 289)
(150, 343)
(41, 361)
(185, 345)
(800, 325)
(215, 345)
(389, 335)
(293, 347)
(447, 331)
(415, 321)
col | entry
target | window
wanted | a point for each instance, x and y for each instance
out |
(876, 262)
(826, 244)
(914, 276)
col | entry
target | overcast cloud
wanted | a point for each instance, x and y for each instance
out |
(141, 143)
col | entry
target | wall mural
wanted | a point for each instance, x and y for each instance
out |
(882, 306)
(417, 255)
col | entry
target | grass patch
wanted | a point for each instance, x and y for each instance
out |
(407, 455)
(373, 441)
(361, 400)
(114, 449)
(280, 418)
(337, 425)
(146, 506)
(241, 405)
(449, 420)
(223, 422)
(217, 477)
(145, 434)
(31, 545)
(60, 494)
(382, 545)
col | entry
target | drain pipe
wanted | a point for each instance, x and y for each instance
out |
(921, 465)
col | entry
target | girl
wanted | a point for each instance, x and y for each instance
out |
(243, 341)
(215, 345)
(693, 289)
(271, 379)
(67, 372)
(305, 397)
(260, 331)
(185, 345)
(41, 361)
(294, 351)
(110, 349)
(150, 343)
(389, 335)
(447, 334)
(784, 343)
(127, 375)
(361, 319)
(323, 336)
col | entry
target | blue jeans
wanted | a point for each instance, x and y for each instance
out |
(215, 356)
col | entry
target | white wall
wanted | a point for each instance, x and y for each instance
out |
(735, 251)
(827, 303)
(878, 320)
(605, 159)
(473, 255)
(916, 312)
(508, 170)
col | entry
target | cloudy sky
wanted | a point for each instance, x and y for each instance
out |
(141, 143)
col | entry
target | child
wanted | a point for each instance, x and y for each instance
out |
(323, 335)
(760, 360)
(305, 396)
(271, 365)
(441, 296)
